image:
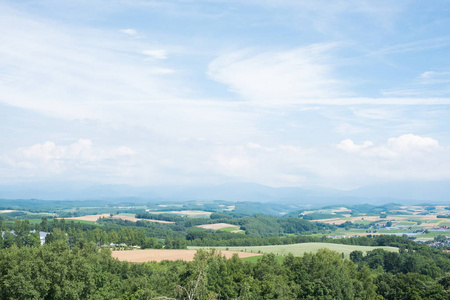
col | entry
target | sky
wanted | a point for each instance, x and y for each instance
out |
(337, 94)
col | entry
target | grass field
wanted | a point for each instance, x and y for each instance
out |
(229, 229)
(300, 249)
(255, 259)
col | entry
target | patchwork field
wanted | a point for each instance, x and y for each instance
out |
(300, 249)
(160, 255)
(94, 218)
(427, 221)
(223, 227)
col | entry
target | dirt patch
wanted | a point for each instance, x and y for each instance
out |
(94, 218)
(217, 226)
(160, 255)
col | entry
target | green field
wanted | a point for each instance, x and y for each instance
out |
(300, 249)
(255, 259)
(230, 229)
(406, 223)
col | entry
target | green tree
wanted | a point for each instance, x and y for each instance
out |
(56, 235)
(44, 224)
(356, 256)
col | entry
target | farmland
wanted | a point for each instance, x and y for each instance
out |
(94, 218)
(218, 226)
(222, 226)
(343, 238)
(300, 249)
(160, 255)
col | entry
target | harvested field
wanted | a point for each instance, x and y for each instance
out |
(217, 226)
(342, 209)
(94, 218)
(191, 212)
(300, 249)
(160, 255)
(336, 221)
(7, 211)
(91, 218)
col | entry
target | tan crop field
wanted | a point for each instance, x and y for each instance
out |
(7, 211)
(191, 212)
(217, 226)
(300, 249)
(94, 218)
(160, 255)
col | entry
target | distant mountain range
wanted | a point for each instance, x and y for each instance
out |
(406, 192)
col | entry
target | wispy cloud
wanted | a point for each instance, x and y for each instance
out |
(421, 45)
(68, 72)
(279, 76)
(158, 54)
(428, 83)
(132, 32)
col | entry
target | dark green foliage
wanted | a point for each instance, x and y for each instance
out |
(295, 225)
(162, 217)
(216, 215)
(409, 286)
(318, 216)
(261, 226)
(15, 214)
(54, 271)
(356, 256)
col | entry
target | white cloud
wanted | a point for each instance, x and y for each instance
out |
(278, 76)
(409, 143)
(349, 146)
(407, 157)
(303, 75)
(404, 145)
(51, 158)
(131, 32)
(158, 54)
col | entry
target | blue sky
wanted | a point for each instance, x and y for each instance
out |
(338, 94)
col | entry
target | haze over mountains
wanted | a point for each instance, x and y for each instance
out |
(406, 192)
